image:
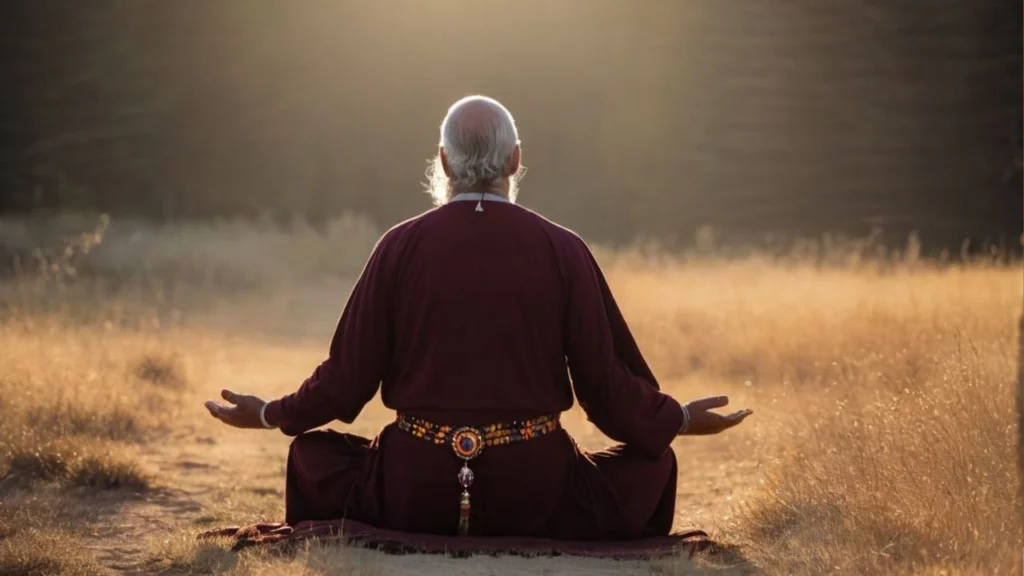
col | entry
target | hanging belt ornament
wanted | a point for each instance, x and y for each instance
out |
(467, 443)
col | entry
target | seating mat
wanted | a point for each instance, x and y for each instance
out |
(685, 543)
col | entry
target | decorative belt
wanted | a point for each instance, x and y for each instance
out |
(468, 442)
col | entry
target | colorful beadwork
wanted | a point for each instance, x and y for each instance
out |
(468, 442)
(490, 435)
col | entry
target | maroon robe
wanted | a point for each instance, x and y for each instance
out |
(468, 317)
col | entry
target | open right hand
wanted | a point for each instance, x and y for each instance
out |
(244, 412)
(704, 422)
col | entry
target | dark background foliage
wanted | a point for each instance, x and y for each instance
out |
(638, 118)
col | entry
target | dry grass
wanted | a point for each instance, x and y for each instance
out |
(316, 558)
(885, 400)
(76, 400)
(38, 534)
(76, 414)
(45, 552)
(883, 440)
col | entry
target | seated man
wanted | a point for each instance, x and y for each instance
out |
(470, 319)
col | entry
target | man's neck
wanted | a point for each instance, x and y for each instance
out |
(500, 189)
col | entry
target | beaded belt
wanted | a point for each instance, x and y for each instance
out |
(468, 442)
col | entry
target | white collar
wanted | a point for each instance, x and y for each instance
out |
(469, 196)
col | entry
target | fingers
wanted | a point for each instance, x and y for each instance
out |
(218, 411)
(221, 412)
(710, 402)
(230, 396)
(739, 415)
(734, 419)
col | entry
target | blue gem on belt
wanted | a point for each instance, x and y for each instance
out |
(467, 443)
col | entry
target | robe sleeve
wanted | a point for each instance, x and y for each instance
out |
(360, 350)
(611, 380)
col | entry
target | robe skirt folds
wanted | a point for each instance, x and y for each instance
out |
(470, 317)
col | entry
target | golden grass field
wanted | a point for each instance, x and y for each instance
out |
(883, 440)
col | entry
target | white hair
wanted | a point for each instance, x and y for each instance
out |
(478, 152)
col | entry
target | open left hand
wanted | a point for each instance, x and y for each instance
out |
(704, 422)
(244, 414)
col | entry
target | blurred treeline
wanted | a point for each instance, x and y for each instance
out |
(638, 118)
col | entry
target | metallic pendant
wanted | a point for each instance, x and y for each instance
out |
(465, 480)
(466, 476)
(467, 443)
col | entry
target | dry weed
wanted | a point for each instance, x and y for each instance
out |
(185, 553)
(74, 414)
(38, 534)
(882, 385)
(45, 552)
(164, 370)
(884, 400)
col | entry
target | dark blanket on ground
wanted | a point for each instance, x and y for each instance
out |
(686, 543)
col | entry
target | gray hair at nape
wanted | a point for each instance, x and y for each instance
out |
(478, 155)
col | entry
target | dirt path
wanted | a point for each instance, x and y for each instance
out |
(214, 476)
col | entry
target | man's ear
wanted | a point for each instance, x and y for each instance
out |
(444, 162)
(514, 162)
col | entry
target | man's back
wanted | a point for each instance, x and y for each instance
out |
(477, 317)
(480, 314)
(486, 307)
